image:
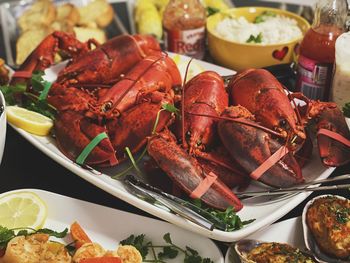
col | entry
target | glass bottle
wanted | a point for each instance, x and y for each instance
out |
(317, 50)
(184, 27)
(340, 92)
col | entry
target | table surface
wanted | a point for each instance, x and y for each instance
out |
(24, 166)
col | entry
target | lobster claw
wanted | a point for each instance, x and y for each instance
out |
(333, 152)
(44, 55)
(251, 147)
(186, 171)
(69, 125)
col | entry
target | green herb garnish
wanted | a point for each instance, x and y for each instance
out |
(228, 217)
(10, 92)
(169, 251)
(7, 234)
(170, 108)
(212, 10)
(255, 39)
(342, 215)
(262, 18)
(346, 109)
(139, 243)
(17, 94)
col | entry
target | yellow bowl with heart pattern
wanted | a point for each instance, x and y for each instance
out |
(240, 56)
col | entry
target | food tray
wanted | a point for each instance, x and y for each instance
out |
(264, 210)
(11, 11)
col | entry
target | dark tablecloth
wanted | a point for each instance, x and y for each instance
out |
(24, 166)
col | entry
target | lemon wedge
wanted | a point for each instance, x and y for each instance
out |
(22, 209)
(29, 121)
(193, 70)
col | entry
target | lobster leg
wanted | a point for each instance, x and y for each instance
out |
(186, 171)
(251, 147)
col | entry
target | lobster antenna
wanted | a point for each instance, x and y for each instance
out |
(240, 120)
(294, 104)
(183, 105)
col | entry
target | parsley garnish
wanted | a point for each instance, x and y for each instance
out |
(139, 243)
(170, 108)
(212, 10)
(228, 217)
(169, 251)
(262, 18)
(255, 39)
(346, 109)
(10, 92)
(17, 94)
(342, 215)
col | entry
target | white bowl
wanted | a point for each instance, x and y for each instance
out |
(310, 241)
(2, 126)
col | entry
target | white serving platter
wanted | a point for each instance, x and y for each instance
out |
(265, 211)
(108, 226)
(289, 231)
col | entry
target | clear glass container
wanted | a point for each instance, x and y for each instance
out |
(184, 27)
(340, 92)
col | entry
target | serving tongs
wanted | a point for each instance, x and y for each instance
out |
(306, 187)
(175, 204)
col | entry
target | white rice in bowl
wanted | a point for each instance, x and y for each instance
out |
(274, 29)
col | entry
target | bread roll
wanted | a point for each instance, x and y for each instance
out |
(98, 11)
(40, 13)
(28, 41)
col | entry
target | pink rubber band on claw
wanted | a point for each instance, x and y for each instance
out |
(335, 136)
(204, 186)
(272, 160)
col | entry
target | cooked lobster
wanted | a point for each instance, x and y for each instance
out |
(114, 95)
(122, 83)
(116, 89)
(274, 123)
(184, 162)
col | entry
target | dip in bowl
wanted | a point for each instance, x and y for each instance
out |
(254, 37)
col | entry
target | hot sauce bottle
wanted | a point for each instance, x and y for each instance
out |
(317, 50)
(184, 27)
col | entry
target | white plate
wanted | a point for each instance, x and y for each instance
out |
(264, 211)
(289, 231)
(108, 226)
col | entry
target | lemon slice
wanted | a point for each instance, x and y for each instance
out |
(193, 70)
(22, 209)
(29, 121)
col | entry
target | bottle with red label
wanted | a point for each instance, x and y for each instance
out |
(317, 50)
(184, 27)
